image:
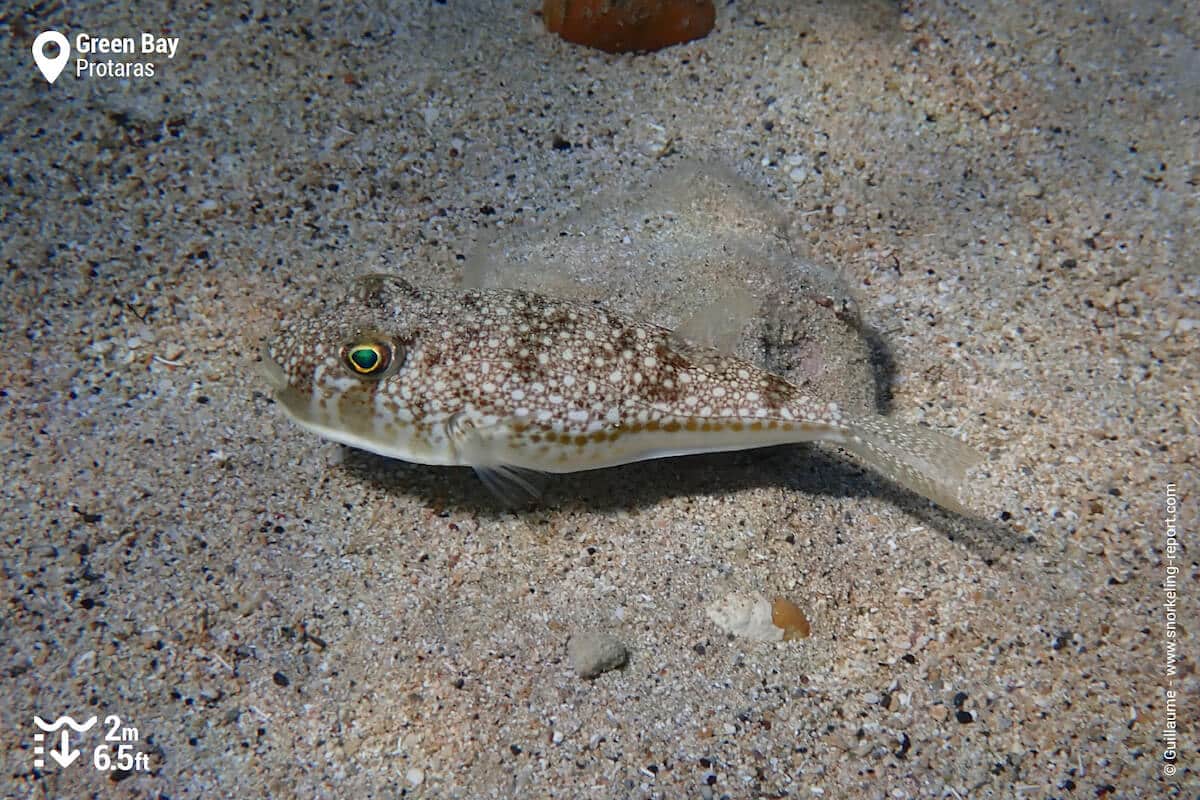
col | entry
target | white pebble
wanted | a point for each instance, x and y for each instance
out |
(748, 616)
(595, 652)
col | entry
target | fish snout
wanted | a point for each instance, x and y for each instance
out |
(270, 369)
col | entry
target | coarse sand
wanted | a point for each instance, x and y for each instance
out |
(1001, 200)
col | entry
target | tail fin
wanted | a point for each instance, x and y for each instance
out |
(929, 463)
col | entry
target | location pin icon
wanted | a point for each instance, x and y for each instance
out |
(51, 67)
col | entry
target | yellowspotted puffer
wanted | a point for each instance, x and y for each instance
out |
(504, 381)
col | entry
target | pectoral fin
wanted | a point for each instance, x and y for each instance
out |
(481, 448)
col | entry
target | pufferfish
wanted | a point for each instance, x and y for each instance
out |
(505, 381)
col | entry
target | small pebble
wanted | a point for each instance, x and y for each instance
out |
(787, 615)
(171, 351)
(747, 616)
(629, 26)
(415, 777)
(595, 652)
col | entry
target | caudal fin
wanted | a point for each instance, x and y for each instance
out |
(929, 463)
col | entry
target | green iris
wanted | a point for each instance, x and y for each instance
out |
(368, 358)
(364, 359)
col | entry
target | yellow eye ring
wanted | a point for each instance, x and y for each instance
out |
(367, 359)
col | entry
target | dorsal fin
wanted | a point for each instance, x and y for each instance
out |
(719, 324)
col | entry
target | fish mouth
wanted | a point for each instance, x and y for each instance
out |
(290, 400)
(270, 371)
(299, 404)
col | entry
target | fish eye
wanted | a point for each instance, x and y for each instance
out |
(369, 359)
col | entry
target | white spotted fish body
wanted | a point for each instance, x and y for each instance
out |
(502, 380)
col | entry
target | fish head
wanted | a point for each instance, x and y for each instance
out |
(353, 372)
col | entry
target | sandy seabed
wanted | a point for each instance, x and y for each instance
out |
(1010, 195)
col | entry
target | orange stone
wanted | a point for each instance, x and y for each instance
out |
(624, 26)
(787, 615)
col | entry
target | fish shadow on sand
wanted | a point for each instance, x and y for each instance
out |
(804, 469)
(883, 366)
